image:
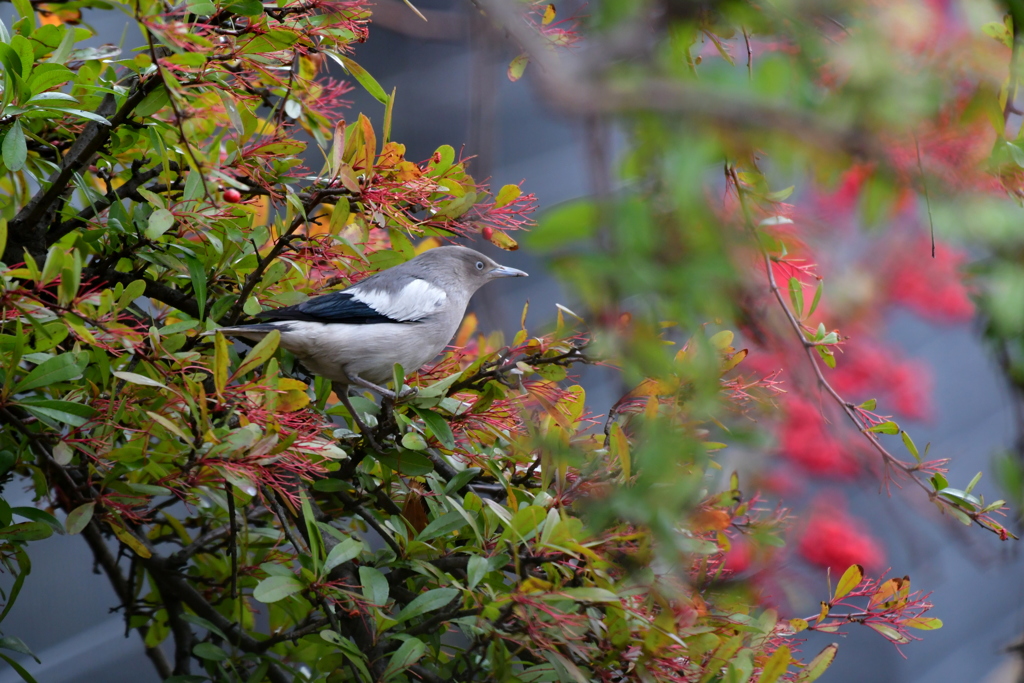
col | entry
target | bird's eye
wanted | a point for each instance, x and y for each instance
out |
(479, 265)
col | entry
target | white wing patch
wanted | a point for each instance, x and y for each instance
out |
(415, 301)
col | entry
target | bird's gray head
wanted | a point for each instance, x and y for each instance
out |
(470, 267)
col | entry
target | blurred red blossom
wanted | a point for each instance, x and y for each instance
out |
(739, 556)
(805, 440)
(868, 370)
(931, 287)
(833, 539)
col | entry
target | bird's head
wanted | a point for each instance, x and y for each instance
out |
(466, 265)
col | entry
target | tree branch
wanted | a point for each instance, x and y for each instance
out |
(28, 228)
(568, 80)
(137, 179)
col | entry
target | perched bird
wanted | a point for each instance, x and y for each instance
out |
(405, 314)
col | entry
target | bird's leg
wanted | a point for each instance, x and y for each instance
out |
(386, 393)
(342, 391)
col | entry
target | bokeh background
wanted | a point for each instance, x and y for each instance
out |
(452, 89)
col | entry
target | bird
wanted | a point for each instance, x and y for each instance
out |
(405, 314)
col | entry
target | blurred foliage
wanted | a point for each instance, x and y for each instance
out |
(507, 529)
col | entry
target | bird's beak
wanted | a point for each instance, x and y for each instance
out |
(505, 271)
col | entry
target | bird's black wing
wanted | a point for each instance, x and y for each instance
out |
(336, 307)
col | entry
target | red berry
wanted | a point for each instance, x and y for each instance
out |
(232, 196)
(487, 232)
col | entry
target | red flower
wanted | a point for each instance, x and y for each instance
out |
(835, 540)
(932, 287)
(866, 370)
(805, 440)
(739, 556)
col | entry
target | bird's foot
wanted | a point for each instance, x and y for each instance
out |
(386, 393)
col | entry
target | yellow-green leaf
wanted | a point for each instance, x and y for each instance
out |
(259, 354)
(129, 540)
(776, 665)
(817, 666)
(517, 66)
(220, 362)
(79, 518)
(852, 577)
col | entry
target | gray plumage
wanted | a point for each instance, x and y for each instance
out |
(406, 314)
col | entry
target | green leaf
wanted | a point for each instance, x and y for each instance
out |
(37, 515)
(343, 552)
(437, 426)
(80, 113)
(427, 602)
(477, 568)
(796, 297)
(364, 78)
(79, 518)
(209, 651)
(274, 588)
(910, 445)
(350, 651)
(52, 265)
(413, 441)
(440, 387)
(375, 586)
(567, 670)
(25, 531)
(247, 8)
(461, 479)
(201, 7)
(887, 427)
(339, 215)
(153, 102)
(220, 362)
(405, 656)
(204, 624)
(57, 369)
(197, 273)
(517, 66)
(160, 221)
(135, 378)
(506, 195)
(68, 412)
(46, 76)
(817, 297)
(17, 645)
(25, 675)
(132, 291)
(445, 524)
(525, 522)
(409, 463)
(15, 149)
(259, 355)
